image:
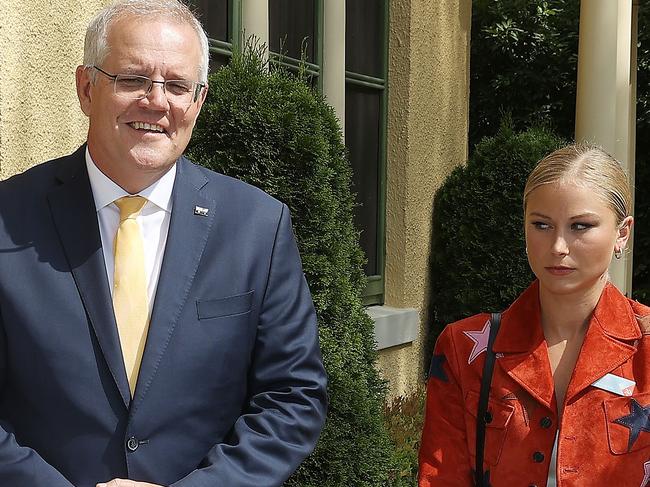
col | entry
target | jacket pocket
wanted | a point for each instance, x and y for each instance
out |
(227, 306)
(627, 424)
(495, 431)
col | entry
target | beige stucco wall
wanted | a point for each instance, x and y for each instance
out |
(427, 137)
(41, 43)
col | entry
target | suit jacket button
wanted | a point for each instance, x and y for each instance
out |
(546, 422)
(132, 443)
(538, 457)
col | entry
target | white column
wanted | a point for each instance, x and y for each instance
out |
(606, 92)
(333, 70)
(255, 21)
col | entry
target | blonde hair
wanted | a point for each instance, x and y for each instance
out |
(585, 165)
(96, 46)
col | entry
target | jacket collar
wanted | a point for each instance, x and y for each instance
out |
(612, 328)
(521, 328)
(75, 218)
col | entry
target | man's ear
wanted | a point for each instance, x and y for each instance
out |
(84, 81)
(202, 96)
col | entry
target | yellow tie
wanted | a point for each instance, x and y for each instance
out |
(130, 286)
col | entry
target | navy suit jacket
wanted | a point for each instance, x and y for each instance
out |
(231, 390)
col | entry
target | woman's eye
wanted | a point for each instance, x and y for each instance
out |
(581, 226)
(541, 225)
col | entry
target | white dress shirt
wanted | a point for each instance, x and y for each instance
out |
(552, 471)
(153, 221)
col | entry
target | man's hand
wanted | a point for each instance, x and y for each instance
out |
(126, 483)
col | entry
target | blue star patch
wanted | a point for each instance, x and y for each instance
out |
(436, 369)
(638, 420)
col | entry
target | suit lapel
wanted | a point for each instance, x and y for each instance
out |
(186, 240)
(73, 211)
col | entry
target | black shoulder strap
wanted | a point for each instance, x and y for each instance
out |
(482, 416)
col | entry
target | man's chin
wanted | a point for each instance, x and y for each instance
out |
(151, 159)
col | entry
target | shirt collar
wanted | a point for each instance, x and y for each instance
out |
(105, 190)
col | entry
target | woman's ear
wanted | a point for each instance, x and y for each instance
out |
(624, 233)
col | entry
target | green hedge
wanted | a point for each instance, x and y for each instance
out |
(273, 131)
(478, 261)
(524, 58)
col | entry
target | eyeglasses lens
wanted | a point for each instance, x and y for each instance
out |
(179, 92)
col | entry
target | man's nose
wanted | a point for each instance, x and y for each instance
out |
(157, 97)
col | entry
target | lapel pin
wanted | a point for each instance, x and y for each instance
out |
(200, 211)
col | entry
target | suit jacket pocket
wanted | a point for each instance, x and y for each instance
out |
(627, 423)
(221, 307)
(495, 432)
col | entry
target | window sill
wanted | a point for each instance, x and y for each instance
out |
(394, 326)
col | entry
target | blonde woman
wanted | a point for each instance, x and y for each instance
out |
(569, 401)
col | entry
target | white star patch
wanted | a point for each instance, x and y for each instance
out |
(480, 339)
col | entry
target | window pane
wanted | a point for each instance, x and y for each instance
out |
(213, 14)
(290, 23)
(362, 138)
(217, 61)
(364, 37)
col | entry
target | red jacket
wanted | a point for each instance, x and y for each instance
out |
(604, 437)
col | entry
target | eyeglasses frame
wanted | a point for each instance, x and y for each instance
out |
(198, 86)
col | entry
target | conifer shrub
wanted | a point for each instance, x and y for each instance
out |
(478, 260)
(405, 419)
(272, 130)
(641, 244)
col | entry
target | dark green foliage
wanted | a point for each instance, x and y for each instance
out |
(641, 256)
(273, 131)
(478, 257)
(523, 62)
(641, 261)
(405, 418)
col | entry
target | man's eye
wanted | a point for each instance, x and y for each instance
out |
(131, 82)
(179, 87)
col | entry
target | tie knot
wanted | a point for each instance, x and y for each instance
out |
(130, 206)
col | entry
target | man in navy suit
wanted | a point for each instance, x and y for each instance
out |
(174, 344)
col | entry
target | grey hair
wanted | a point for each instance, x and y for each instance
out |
(96, 43)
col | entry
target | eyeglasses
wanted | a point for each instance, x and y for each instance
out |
(180, 92)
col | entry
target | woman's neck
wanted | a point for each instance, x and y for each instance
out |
(566, 316)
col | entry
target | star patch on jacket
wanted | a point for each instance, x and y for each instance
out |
(638, 420)
(646, 478)
(436, 368)
(527, 402)
(480, 339)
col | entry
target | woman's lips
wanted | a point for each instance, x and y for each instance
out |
(560, 270)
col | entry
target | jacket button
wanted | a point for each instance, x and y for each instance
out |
(132, 443)
(545, 422)
(488, 417)
(538, 457)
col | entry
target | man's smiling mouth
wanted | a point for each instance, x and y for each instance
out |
(147, 126)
